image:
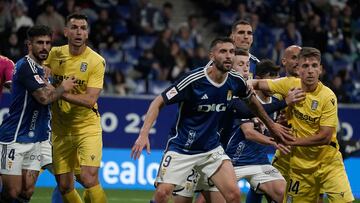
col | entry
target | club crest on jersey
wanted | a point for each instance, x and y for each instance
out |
(229, 95)
(314, 104)
(83, 66)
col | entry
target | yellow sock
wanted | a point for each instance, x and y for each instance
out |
(72, 197)
(96, 194)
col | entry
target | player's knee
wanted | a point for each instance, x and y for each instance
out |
(89, 180)
(13, 193)
(162, 194)
(28, 192)
(233, 195)
(65, 187)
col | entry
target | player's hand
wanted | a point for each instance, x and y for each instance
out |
(283, 148)
(295, 95)
(281, 118)
(69, 83)
(141, 142)
(47, 72)
(281, 133)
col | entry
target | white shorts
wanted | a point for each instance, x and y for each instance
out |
(178, 168)
(257, 174)
(195, 182)
(46, 153)
(18, 156)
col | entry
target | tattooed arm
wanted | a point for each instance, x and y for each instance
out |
(48, 94)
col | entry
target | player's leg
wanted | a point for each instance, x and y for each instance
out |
(89, 150)
(303, 186)
(64, 159)
(29, 178)
(335, 182)
(225, 180)
(11, 169)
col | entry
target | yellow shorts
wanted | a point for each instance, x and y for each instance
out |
(304, 185)
(72, 151)
(282, 163)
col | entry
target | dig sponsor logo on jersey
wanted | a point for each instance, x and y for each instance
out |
(212, 107)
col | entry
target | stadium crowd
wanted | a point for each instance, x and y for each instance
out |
(145, 50)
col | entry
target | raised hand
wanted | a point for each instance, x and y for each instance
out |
(295, 95)
(141, 142)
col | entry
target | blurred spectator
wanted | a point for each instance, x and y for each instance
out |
(162, 51)
(66, 7)
(180, 62)
(102, 30)
(148, 67)
(290, 35)
(277, 53)
(200, 57)
(313, 35)
(195, 33)
(242, 13)
(5, 20)
(263, 39)
(282, 12)
(142, 17)
(20, 17)
(162, 18)
(346, 22)
(14, 50)
(185, 40)
(121, 85)
(51, 18)
(303, 10)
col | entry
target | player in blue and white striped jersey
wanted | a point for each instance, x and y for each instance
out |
(28, 120)
(202, 95)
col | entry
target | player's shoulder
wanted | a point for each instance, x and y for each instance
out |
(94, 55)
(191, 77)
(6, 60)
(59, 51)
(326, 92)
(253, 58)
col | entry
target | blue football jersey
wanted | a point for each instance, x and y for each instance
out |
(246, 152)
(28, 120)
(201, 104)
(253, 61)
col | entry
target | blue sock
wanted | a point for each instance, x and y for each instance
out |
(253, 197)
(56, 196)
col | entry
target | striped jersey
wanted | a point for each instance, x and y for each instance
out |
(246, 152)
(28, 120)
(253, 61)
(202, 102)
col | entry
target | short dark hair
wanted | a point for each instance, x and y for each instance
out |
(241, 52)
(239, 22)
(38, 30)
(220, 40)
(306, 52)
(76, 15)
(266, 66)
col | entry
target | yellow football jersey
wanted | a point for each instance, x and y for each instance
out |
(88, 68)
(318, 109)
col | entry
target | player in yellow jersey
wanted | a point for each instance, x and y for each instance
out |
(77, 133)
(290, 63)
(315, 163)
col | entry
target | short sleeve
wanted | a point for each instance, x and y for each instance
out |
(179, 91)
(96, 79)
(280, 86)
(8, 72)
(329, 115)
(30, 78)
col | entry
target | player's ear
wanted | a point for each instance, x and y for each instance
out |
(66, 30)
(211, 55)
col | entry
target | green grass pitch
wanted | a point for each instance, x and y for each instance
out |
(43, 195)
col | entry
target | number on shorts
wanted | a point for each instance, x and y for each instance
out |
(294, 187)
(192, 177)
(12, 154)
(167, 161)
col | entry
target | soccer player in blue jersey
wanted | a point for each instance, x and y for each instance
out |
(202, 95)
(242, 34)
(28, 121)
(246, 146)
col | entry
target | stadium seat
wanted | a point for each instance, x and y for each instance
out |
(157, 86)
(130, 42)
(132, 56)
(123, 11)
(146, 42)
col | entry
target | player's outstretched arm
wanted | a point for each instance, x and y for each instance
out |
(280, 132)
(49, 94)
(258, 84)
(322, 137)
(143, 139)
(87, 100)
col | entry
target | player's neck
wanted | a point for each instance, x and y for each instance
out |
(309, 88)
(34, 58)
(75, 51)
(216, 75)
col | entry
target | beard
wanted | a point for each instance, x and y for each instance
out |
(221, 66)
